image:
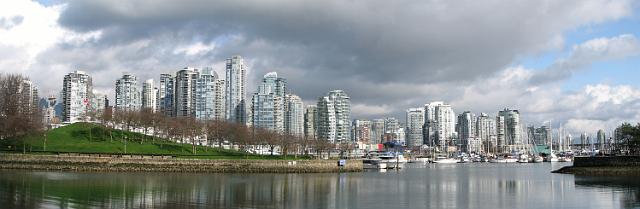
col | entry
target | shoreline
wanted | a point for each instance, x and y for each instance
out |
(600, 170)
(117, 164)
(603, 166)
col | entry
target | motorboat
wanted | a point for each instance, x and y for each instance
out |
(445, 160)
(373, 164)
(508, 159)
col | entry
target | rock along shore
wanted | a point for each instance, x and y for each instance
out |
(603, 166)
(109, 163)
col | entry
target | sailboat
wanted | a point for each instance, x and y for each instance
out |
(552, 156)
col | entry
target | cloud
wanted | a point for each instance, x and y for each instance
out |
(583, 55)
(387, 55)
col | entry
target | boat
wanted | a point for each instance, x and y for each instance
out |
(538, 159)
(551, 158)
(393, 160)
(565, 159)
(445, 160)
(524, 158)
(422, 159)
(464, 159)
(373, 164)
(508, 159)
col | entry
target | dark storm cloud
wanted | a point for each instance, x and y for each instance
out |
(380, 52)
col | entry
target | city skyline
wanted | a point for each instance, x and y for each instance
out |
(577, 72)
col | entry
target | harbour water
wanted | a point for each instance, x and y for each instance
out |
(474, 185)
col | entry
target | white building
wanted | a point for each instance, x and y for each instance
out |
(149, 93)
(235, 104)
(268, 104)
(209, 93)
(76, 93)
(509, 130)
(294, 115)
(185, 92)
(415, 122)
(439, 128)
(466, 129)
(127, 93)
(334, 113)
(486, 132)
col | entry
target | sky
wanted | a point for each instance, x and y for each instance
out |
(573, 63)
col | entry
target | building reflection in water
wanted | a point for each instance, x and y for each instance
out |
(422, 186)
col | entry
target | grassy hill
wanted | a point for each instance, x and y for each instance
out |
(94, 138)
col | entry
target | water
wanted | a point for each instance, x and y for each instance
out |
(479, 185)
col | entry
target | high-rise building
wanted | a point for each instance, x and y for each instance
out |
(466, 129)
(127, 93)
(391, 125)
(334, 113)
(583, 140)
(235, 104)
(310, 121)
(165, 96)
(268, 104)
(149, 93)
(361, 131)
(29, 93)
(540, 135)
(509, 130)
(486, 132)
(294, 115)
(76, 93)
(377, 131)
(219, 99)
(185, 92)
(415, 121)
(49, 116)
(601, 139)
(439, 128)
(209, 94)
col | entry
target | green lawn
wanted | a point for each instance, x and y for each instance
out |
(94, 138)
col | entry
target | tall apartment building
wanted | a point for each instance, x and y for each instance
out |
(294, 115)
(509, 130)
(361, 131)
(466, 129)
(127, 93)
(439, 128)
(486, 132)
(235, 104)
(415, 121)
(377, 131)
(268, 104)
(209, 95)
(310, 121)
(185, 92)
(149, 93)
(334, 113)
(76, 94)
(165, 97)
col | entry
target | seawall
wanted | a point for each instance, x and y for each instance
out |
(604, 165)
(109, 163)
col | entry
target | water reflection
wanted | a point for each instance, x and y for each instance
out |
(418, 186)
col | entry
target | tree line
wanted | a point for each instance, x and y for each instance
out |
(19, 112)
(627, 139)
(155, 125)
